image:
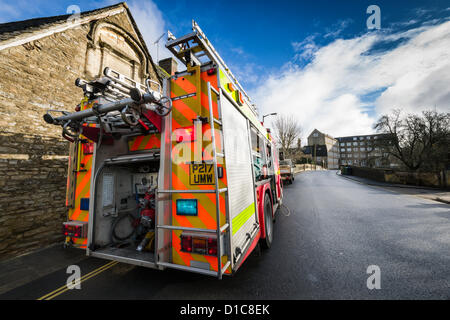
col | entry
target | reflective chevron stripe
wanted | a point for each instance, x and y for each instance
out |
(148, 142)
(194, 103)
(243, 217)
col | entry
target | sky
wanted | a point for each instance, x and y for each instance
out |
(316, 61)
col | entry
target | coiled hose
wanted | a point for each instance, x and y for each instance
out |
(114, 235)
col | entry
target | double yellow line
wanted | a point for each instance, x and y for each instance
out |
(91, 274)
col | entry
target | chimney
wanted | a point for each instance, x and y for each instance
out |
(169, 65)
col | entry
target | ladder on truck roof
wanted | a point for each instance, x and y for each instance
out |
(220, 230)
(193, 47)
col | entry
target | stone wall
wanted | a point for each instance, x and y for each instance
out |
(35, 77)
(427, 179)
(369, 173)
(32, 192)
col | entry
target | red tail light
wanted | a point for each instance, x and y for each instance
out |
(186, 244)
(72, 231)
(199, 245)
(212, 247)
(76, 229)
(211, 71)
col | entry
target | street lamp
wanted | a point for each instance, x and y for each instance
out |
(269, 114)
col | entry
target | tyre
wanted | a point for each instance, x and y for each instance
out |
(268, 223)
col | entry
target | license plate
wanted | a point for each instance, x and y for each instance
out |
(201, 174)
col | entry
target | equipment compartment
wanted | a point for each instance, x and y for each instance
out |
(125, 211)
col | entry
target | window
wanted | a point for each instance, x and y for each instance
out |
(255, 141)
(356, 155)
(355, 138)
(362, 143)
(342, 144)
(361, 138)
(269, 160)
(315, 134)
(261, 156)
(349, 149)
(369, 149)
(362, 149)
(349, 144)
(342, 149)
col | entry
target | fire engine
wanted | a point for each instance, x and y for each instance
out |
(181, 175)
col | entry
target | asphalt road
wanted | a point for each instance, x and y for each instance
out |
(321, 250)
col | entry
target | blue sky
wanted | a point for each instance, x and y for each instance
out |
(307, 58)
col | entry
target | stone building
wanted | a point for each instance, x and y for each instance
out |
(326, 146)
(39, 62)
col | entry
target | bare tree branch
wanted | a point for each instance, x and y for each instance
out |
(418, 141)
(287, 131)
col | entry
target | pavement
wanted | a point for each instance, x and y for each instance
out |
(326, 238)
(423, 192)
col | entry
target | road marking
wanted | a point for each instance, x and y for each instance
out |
(91, 274)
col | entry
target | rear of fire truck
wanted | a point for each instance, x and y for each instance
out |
(181, 175)
(114, 166)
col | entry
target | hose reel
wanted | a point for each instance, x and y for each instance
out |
(130, 116)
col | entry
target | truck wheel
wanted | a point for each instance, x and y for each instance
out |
(268, 223)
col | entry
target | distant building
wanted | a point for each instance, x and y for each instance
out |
(362, 150)
(317, 153)
(323, 148)
(366, 151)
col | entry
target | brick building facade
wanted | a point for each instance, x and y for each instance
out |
(39, 62)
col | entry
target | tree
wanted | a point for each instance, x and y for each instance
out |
(287, 131)
(418, 141)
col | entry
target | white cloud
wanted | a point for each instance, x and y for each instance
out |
(331, 92)
(305, 49)
(337, 28)
(152, 25)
